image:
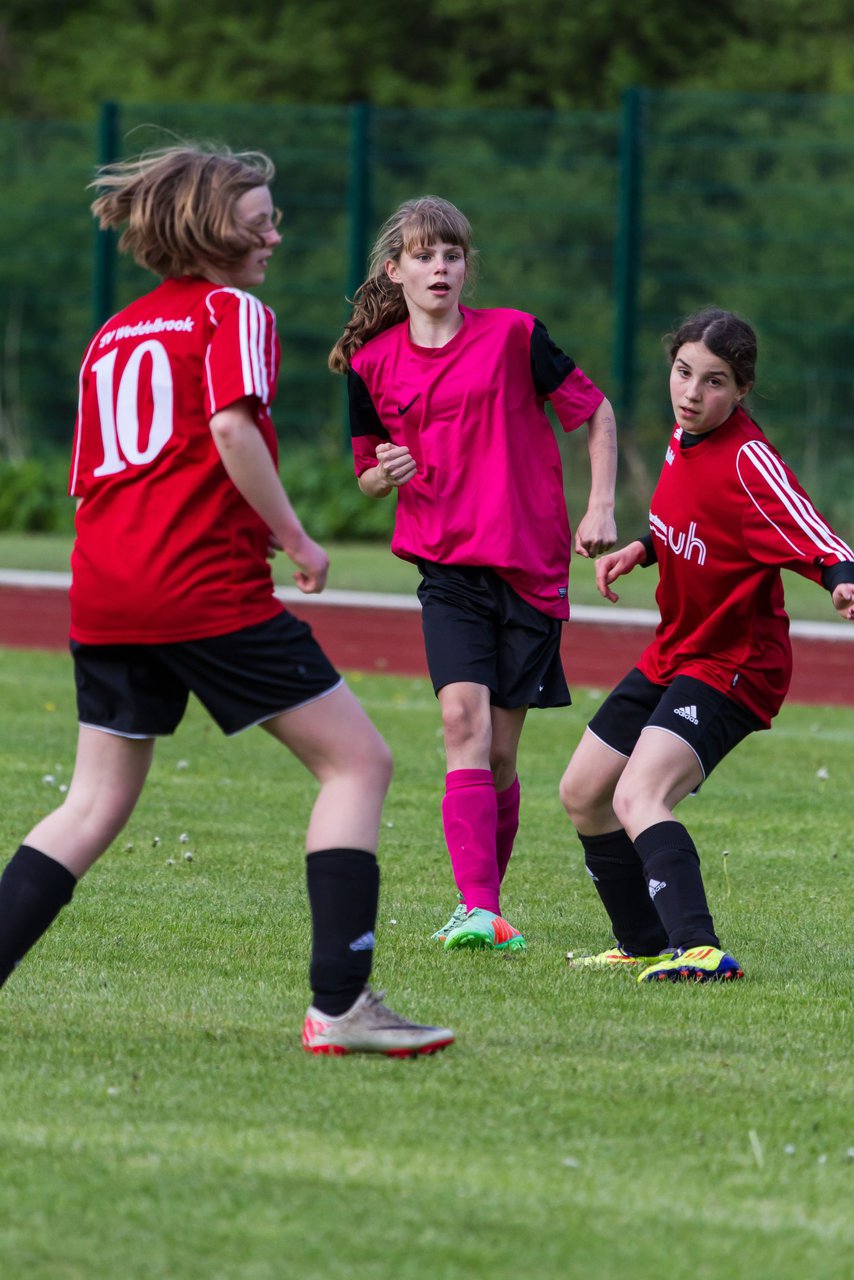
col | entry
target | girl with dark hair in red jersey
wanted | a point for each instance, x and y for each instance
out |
(726, 516)
(179, 502)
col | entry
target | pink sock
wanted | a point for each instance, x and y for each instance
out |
(508, 825)
(470, 816)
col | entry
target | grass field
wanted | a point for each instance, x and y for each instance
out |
(372, 567)
(160, 1121)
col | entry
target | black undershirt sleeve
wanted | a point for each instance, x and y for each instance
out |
(649, 547)
(549, 365)
(364, 419)
(834, 574)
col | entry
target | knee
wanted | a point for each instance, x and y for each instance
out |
(583, 798)
(461, 723)
(573, 797)
(626, 804)
(571, 800)
(380, 761)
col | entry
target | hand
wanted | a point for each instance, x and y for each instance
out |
(312, 564)
(611, 567)
(843, 600)
(395, 464)
(596, 532)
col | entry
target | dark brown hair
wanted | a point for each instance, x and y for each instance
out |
(725, 334)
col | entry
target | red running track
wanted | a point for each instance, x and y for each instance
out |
(389, 640)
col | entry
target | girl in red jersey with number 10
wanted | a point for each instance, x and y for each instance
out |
(726, 516)
(447, 411)
(179, 506)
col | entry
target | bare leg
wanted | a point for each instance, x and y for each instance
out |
(507, 725)
(588, 785)
(467, 725)
(339, 745)
(660, 772)
(336, 741)
(109, 774)
(506, 731)
(587, 793)
(481, 743)
(38, 882)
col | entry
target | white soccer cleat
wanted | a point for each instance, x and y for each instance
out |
(369, 1027)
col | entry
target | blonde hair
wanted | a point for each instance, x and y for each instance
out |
(179, 206)
(378, 303)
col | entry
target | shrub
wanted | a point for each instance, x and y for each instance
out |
(320, 483)
(34, 496)
(322, 486)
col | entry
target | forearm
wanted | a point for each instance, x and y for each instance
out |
(251, 469)
(602, 448)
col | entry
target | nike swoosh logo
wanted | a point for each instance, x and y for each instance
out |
(402, 409)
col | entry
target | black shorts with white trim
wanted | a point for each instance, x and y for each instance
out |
(703, 717)
(242, 679)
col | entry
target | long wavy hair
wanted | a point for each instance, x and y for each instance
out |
(179, 206)
(378, 303)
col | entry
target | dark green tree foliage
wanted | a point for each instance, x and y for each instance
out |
(46, 241)
(510, 110)
(61, 60)
(747, 203)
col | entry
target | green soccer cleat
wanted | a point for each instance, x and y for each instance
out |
(457, 918)
(616, 958)
(485, 931)
(694, 964)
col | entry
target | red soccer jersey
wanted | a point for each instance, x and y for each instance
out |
(726, 516)
(489, 486)
(166, 547)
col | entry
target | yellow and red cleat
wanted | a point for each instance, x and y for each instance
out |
(694, 964)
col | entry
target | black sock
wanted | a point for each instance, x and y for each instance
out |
(343, 891)
(672, 869)
(33, 890)
(616, 871)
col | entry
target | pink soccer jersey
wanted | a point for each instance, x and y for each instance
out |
(726, 516)
(489, 486)
(166, 547)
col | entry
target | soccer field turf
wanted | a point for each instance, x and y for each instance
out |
(160, 1120)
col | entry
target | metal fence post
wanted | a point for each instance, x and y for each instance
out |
(359, 193)
(628, 252)
(104, 257)
(359, 211)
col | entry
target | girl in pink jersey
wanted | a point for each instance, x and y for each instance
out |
(447, 411)
(726, 516)
(179, 504)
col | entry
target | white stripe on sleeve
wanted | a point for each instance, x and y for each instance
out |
(799, 507)
(252, 336)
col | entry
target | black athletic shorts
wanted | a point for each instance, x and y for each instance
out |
(706, 719)
(478, 629)
(242, 679)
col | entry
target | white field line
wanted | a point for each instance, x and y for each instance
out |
(601, 616)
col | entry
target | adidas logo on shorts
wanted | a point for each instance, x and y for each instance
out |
(655, 886)
(687, 713)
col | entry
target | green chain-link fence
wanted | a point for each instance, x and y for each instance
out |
(608, 226)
